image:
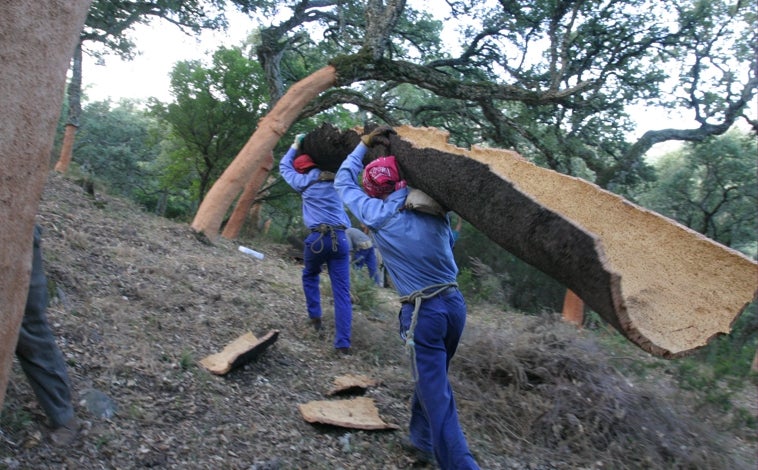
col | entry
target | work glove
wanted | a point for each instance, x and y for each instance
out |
(298, 141)
(380, 135)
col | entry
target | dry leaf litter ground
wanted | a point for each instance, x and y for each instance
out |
(137, 301)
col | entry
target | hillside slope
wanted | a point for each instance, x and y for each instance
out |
(137, 301)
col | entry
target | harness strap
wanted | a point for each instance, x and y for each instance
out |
(416, 298)
(327, 176)
(323, 229)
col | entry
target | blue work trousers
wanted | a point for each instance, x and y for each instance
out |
(38, 353)
(321, 248)
(367, 258)
(434, 425)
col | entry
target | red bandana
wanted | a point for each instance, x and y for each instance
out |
(381, 177)
(303, 163)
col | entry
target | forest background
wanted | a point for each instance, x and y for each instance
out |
(559, 82)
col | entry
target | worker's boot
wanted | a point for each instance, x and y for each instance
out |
(65, 434)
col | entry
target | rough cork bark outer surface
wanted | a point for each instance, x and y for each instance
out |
(37, 41)
(668, 289)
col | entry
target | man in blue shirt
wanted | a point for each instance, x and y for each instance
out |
(417, 252)
(325, 216)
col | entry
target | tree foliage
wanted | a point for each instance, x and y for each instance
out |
(712, 188)
(116, 144)
(109, 22)
(215, 109)
(106, 32)
(553, 80)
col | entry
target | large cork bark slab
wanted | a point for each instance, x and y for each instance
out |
(668, 289)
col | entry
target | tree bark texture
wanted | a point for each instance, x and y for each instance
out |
(270, 129)
(245, 201)
(667, 288)
(37, 40)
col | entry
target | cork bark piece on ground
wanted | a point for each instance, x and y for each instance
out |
(356, 413)
(239, 352)
(351, 383)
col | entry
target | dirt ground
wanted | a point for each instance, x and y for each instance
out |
(137, 301)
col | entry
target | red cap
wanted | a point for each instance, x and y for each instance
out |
(303, 164)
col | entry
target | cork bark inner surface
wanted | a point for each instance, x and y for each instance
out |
(668, 289)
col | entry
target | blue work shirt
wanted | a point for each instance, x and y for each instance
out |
(417, 248)
(321, 203)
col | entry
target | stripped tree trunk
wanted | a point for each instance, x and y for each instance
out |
(74, 111)
(67, 149)
(381, 18)
(37, 41)
(237, 220)
(260, 145)
(573, 308)
(267, 227)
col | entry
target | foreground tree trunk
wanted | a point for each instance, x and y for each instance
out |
(260, 145)
(74, 111)
(241, 211)
(37, 40)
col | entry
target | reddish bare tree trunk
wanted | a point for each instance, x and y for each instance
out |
(270, 129)
(74, 110)
(37, 40)
(267, 227)
(237, 220)
(67, 149)
(573, 308)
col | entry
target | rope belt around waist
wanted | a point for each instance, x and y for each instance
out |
(416, 298)
(439, 289)
(323, 229)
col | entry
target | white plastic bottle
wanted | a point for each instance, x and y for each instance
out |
(251, 252)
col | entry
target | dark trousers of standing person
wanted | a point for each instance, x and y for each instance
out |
(331, 248)
(367, 257)
(434, 425)
(38, 353)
